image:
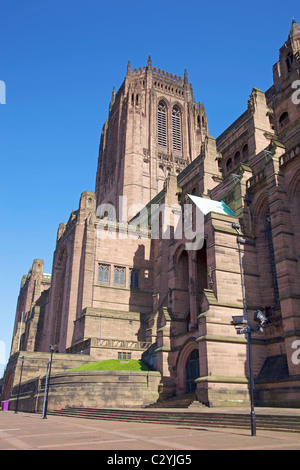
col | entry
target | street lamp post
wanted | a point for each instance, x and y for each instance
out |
(245, 328)
(18, 396)
(47, 382)
(251, 380)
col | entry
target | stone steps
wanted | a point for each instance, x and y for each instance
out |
(176, 402)
(187, 418)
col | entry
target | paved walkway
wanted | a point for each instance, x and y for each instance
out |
(28, 431)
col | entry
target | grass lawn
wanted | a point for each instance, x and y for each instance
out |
(113, 364)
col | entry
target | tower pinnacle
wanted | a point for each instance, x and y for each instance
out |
(295, 28)
(186, 80)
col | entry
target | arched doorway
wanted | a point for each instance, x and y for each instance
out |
(192, 371)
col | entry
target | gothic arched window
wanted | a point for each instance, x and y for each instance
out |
(245, 152)
(162, 124)
(103, 273)
(284, 119)
(237, 158)
(176, 128)
(134, 278)
(229, 164)
(289, 61)
(119, 276)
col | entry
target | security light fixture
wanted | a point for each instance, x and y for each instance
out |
(259, 317)
(236, 226)
(238, 320)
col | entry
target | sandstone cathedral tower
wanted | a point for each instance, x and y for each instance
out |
(154, 127)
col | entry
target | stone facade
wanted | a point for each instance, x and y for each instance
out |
(118, 291)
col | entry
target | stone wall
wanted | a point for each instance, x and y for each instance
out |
(98, 389)
(279, 393)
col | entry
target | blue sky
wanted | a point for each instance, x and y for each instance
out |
(60, 59)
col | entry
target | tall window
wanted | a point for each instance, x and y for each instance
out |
(119, 276)
(269, 237)
(134, 278)
(103, 273)
(162, 124)
(176, 129)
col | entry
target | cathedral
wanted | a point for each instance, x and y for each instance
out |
(125, 286)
